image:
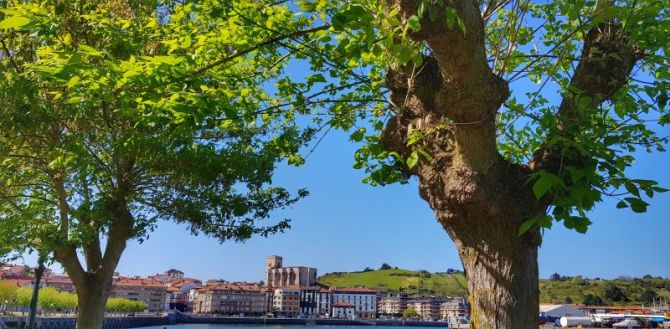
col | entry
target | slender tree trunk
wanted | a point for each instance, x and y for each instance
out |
(32, 313)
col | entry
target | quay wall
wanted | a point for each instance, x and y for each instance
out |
(70, 323)
(141, 321)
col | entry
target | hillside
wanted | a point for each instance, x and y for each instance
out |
(411, 282)
(556, 290)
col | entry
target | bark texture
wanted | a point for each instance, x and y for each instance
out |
(92, 302)
(480, 198)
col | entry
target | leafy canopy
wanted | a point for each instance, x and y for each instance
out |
(143, 110)
(534, 46)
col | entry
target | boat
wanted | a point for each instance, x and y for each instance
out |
(629, 323)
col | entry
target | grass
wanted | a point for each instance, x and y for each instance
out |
(411, 282)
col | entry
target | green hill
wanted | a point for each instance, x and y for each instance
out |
(411, 282)
(556, 290)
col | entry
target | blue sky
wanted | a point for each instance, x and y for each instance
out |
(345, 225)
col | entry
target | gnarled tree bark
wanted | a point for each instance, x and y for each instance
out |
(480, 198)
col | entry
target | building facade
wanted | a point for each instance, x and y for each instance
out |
(363, 299)
(324, 302)
(286, 301)
(221, 297)
(277, 276)
(344, 310)
(392, 305)
(151, 292)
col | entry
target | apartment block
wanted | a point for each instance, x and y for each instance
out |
(231, 298)
(151, 292)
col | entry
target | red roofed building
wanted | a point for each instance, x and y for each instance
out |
(151, 292)
(222, 297)
(344, 310)
(60, 282)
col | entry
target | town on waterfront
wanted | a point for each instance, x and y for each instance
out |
(295, 292)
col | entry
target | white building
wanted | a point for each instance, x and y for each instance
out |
(560, 310)
(324, 302)
(363, 299)
(344, 310)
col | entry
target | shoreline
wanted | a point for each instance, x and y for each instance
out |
(173, 318)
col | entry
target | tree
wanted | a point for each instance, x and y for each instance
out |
(567, 300)
(512, 115)
(24, 296)
(119, 114)
(410, 313)
(648, 296)
(7, 295)
(555, 277)
(591, 299)
(385, 267)
(614, 293)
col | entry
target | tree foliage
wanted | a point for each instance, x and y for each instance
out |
(410, 313)
(8, 293)
(124, 305)
(119, 114)
(534, 48)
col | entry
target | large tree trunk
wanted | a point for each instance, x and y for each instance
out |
(502, 278)
(483, 213)
(92, 299)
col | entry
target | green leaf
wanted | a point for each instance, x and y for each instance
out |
(413, 159)
(632, 189)
(74, 100)
(14, 22)
(637, 205)
(414, 23)
(542, 185)
(622, 204)
(526, 226)
(90, 50)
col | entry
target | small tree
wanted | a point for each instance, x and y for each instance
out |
(385, 267)
(8, 294)
(410, 313)
(614, 293)
(590, 299)
(648, 296)
(555, 277)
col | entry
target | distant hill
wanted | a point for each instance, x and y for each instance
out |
(411, 282)
(556, 290)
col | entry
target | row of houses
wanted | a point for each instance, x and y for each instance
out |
(427, 308)
(249, 299)
(287, 291)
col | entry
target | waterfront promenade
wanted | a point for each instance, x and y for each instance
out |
(174, 318)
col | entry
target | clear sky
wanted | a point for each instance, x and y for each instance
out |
(345, 225)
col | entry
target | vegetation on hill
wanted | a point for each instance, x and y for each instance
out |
(399, 280)
(557, 289)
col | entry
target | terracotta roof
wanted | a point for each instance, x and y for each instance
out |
(355, 290)
(58, 279)
(230, 287)
(137, 282)
(172, 289)
(343, 304)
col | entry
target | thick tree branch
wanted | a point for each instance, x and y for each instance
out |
(607, 61)
(469, 92)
